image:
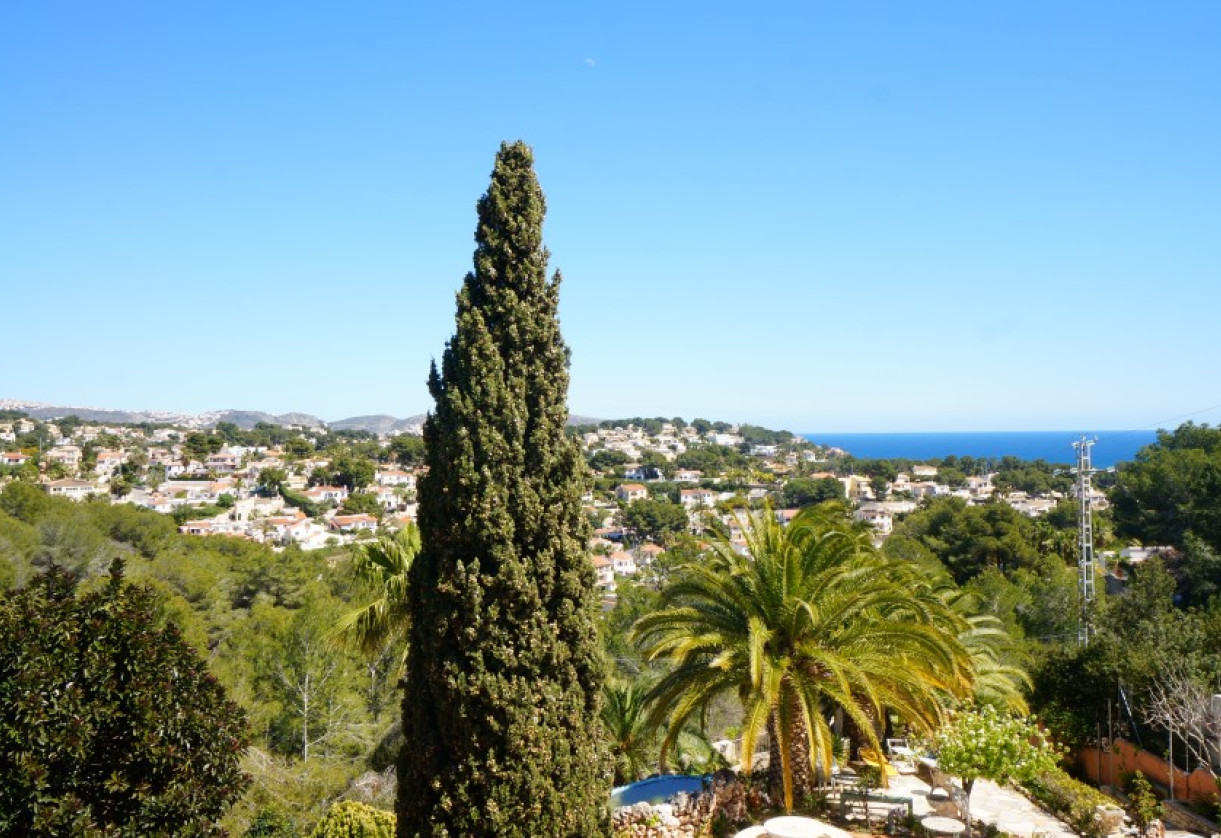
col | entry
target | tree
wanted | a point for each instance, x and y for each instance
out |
(312, 682)
(352, 471)
(351, 819)
(632, 733)
(803, 491)
(1172, 488)
(384, 619)
(811, 620)
(362, 503)
(987, 744)
(969, 538)
(271, 479)
(1143, 805)
(407, 450)
(109, 723)
(503, 683)
(656, 520)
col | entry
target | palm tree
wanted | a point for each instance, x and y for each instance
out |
(999, 681)
(385, 619)
(809, 619)
(633, 736)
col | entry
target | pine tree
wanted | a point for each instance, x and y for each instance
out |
(502, 688)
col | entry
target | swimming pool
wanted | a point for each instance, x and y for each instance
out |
(658, 789)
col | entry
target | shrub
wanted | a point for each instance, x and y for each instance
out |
(109, 723)
(271, 823)
(1070, 799)
(349, 819)
(1143, 805)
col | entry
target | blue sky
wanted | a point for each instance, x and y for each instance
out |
(864, 216)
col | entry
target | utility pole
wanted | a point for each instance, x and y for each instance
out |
(1085, 536)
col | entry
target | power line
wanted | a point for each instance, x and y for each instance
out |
(1162, 423)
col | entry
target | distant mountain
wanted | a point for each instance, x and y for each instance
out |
(246, 419)
(379, 424)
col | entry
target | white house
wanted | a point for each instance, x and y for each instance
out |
(696, 498)
(604, 573)
(71, 489)
(623, 564)
(629, 492)
(322, 494)
(354, 523)
(396, 477)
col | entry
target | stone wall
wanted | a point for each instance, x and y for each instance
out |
(685, 815)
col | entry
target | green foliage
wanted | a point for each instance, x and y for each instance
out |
(108, 720)
(987, 744)
(25, 502)
(968, 539)
(362, 503)
(351, 470)
(407, 450)
(655, 520)
(629, 729)
(503, 682)
(1143, 805)
(198, 445)
(350, 819)
(315, 692)
(813, 617)
(1070, 800)
(1172, 488)
(711, 459)
(384, 620)
(803, 491)
(271, 823)
(607, 460)
(632, 601)
(271, 480)
(300, 501)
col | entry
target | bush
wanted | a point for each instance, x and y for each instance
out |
(1070, 799)
(109, 723)
(271, 823)
(1142, 803)
(349, 819)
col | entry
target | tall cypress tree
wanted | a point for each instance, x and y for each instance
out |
(502, 680)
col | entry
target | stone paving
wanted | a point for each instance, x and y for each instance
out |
(1010, 811)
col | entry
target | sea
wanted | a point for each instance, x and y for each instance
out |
(1111, 447)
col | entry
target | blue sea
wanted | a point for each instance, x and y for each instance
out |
(1053, 446)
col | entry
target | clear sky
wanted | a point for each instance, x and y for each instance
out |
(852, 216)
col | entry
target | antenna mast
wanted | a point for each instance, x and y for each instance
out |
(1085, 535)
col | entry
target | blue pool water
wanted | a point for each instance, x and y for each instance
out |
(656, 789)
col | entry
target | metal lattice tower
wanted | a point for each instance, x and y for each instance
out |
(1085, 536)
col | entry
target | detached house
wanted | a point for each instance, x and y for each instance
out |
(71, 489)
(396, 477)
(67, 455)
(624, 564)
(628, 492)
(223, 463)
(604, 573)
(354, 523)
(696, 498)
(322, 494)
(108, 462)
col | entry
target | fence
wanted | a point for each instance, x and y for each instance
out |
(1109, 767)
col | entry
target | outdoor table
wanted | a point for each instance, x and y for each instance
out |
(793, 826)
(938, 825)
(875, 796)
